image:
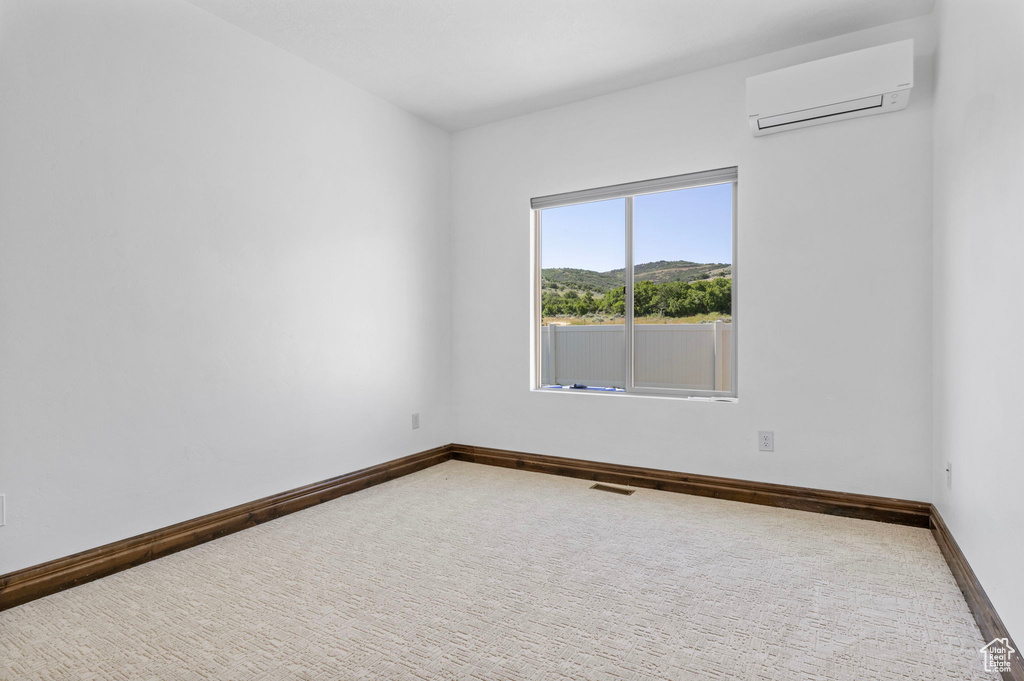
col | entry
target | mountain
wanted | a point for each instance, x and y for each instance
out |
(659, 272)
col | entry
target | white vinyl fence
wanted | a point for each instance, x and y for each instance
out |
(691, 356)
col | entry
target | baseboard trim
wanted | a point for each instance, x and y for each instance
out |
(989, 622)
(56, 575)
(899, 511)
(47, 578)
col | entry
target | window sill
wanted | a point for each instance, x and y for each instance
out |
(619, 392)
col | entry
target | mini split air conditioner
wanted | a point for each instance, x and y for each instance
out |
(862, 83)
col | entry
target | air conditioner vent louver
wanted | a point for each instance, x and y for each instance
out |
(862, 83)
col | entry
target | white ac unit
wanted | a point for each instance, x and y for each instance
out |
(862, 83)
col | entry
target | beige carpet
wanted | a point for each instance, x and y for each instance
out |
(465, 571)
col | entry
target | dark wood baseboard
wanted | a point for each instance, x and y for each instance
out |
(915, 513)
(989, 622)
(47, 578)
(53, 576)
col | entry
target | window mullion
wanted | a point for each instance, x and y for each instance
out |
(538, 310)
(628, 280)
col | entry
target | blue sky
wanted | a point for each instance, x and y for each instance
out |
(686, 224)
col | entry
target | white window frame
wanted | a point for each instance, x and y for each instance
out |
(628, 191)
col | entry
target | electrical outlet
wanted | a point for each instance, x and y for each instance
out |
(766, 440)
(949, 475)
(415, 421)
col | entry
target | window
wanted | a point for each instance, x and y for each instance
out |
(635, 287)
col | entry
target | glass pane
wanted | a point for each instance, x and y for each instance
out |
(583, 256)
(682, 250)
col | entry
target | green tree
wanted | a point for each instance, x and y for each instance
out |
(614, 301)
(719, 296)
(643, 298)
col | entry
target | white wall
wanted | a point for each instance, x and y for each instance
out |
(834, 229)
(979, 315)
(201, 237)
(202, 240)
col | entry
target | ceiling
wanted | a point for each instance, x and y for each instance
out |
(463, 63)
